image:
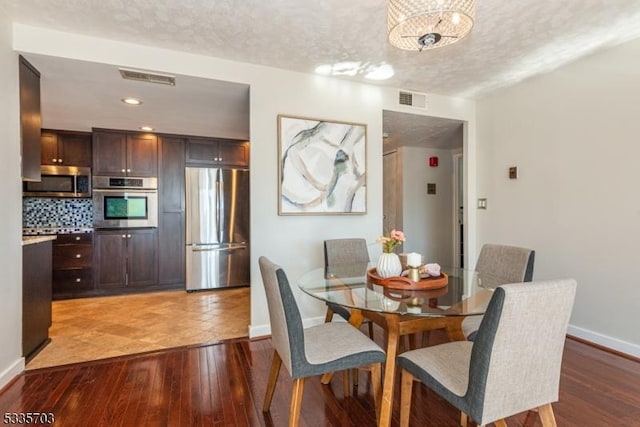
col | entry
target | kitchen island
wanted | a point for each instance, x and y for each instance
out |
(36, 293)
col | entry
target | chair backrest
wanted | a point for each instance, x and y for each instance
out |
(511, 263)
(342, 251)
(517, 354)
(287, 334)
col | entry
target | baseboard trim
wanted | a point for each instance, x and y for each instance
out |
(605, 342)
(260, 331)
(11, 372)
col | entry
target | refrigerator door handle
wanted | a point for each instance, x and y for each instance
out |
(218, 249)
(220, 204)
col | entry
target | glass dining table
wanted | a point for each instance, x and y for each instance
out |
(401, 310)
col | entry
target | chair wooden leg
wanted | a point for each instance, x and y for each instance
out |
(376, 384)
(406, 387)
(371, 330)
(329, 316)
(546, 415)
(276, 362)
(501, 423)
(346, 382)
(464, 419)
(296, 402)
(355, 377)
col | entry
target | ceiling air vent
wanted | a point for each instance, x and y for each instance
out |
(412, 99)
(144, 76)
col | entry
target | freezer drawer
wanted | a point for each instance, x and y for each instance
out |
(216, 266)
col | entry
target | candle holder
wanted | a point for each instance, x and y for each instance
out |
(414, 273)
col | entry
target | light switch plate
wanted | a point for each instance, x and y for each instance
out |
(482, 203)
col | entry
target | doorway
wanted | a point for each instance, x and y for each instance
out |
(421, 159)
(391, 193)
(458, 207)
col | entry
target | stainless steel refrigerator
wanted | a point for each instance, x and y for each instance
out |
(217, 232)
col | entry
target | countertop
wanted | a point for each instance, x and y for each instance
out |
(31, 240)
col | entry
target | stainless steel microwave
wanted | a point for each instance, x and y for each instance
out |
(60, 181)
(125, 202)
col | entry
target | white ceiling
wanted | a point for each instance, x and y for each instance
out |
(79, 95)
(511, 40)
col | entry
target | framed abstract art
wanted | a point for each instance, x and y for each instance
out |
(322, 167)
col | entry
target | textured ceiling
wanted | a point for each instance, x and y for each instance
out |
(510, 41)
(402, 129)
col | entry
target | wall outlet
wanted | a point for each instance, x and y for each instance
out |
(482, 203)
(513, 172)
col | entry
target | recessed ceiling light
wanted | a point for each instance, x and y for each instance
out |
(146, 128)
(131, 101)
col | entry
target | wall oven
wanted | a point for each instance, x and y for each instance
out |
(60, 181)
(125, 202)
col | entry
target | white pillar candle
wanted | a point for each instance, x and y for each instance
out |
(414, 259)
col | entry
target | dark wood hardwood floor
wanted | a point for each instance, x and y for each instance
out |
(224, 384)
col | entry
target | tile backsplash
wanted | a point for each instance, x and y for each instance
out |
(56, 212)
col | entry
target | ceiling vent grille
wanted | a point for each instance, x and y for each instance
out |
(144, 76)
(412, 99)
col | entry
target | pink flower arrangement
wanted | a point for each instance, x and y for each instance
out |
(392, 241)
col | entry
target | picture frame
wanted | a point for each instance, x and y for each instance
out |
(322, 167)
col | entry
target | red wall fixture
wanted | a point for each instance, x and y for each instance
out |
(433, 161)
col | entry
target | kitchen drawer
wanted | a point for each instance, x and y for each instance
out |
(72, 282)
(81, 238)
(72, 256)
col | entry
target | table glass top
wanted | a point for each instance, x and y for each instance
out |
(466, 293)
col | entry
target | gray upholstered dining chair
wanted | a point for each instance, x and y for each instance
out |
(323, 348)
(512, 366)
(509, 263)
(344, 251)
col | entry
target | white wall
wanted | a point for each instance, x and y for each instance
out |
(295, 242)
(11, 361)
(428, 218)
(573, 134)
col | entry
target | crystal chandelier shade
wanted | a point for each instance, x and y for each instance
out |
(428, 24)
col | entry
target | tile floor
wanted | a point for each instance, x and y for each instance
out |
(96, 328)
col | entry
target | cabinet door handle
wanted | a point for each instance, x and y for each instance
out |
(124, 236)
(77, 237)
(54, 160)
(78, 256)
(128, 236)
(128, 170)
(59, 160)
(123, 170)
(78, 280)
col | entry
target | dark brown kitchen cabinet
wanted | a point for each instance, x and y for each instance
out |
(171, 225)
(217, 152)
(72, 266)
(30, 120)
(36, 297)
(125, 259)
(171, 249)
(65, 148)
(119, 153)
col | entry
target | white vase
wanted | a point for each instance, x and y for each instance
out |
(389, 265)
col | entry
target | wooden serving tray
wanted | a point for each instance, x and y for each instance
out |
(401, 282)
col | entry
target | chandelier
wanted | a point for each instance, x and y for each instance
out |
(428, 24)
